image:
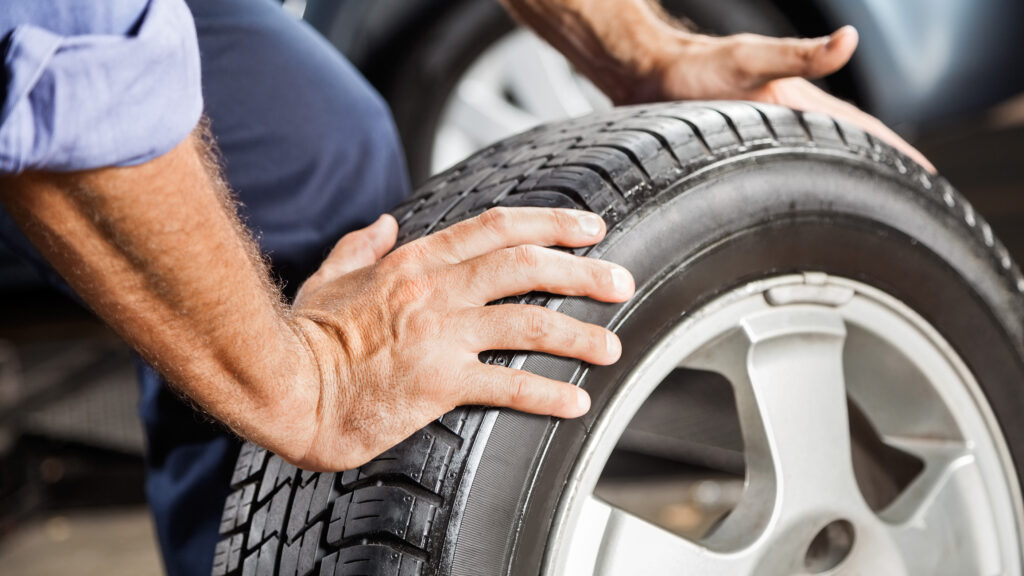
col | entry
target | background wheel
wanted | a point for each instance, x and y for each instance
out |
(471, 77)
(830, 334)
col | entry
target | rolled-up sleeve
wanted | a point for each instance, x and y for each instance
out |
(89, 91)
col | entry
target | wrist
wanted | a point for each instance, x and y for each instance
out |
(282, 394)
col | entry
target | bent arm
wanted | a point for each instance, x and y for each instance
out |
(615, 43)
(634, 53)
(158, 252)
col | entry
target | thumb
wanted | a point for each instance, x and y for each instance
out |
(757, 60)
(361, 248)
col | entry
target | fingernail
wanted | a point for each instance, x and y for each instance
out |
(621, 280)
(590, 224)
(611, 343)
(582, 401)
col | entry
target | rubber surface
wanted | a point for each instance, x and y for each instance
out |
(402, 512)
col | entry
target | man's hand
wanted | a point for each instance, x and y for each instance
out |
(397, 341)
(630, 51)
(370, 352)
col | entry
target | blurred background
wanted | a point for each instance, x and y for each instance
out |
(459, 75)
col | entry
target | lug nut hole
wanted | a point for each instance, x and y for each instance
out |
(830, 547)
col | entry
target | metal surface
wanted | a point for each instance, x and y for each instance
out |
(517, 83)
(795, 365)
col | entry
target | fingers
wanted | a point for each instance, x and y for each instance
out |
(802, 95)
(361, 248)
(755, 60)
(875, 126)
(506, 227)
(521, 390)
(522, 269)
(534, 328)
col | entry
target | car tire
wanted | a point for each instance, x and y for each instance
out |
(700, 199)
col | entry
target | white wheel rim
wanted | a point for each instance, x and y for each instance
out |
(517, 83)
(784, 342)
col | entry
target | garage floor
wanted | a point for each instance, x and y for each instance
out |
(117, 542)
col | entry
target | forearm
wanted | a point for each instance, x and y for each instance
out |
(157, 251)
(615, 43)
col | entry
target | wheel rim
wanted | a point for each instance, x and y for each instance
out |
(796, 350)
(517, 83)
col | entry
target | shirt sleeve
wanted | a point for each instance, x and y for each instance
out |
(96, 99)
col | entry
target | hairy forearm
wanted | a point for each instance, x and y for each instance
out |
(157, 251)
(615, 43)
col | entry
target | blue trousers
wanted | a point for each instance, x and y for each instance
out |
(312, 153)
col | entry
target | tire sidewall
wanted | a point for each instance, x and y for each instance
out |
(797, 211)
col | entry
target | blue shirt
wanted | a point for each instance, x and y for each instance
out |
(94, 83)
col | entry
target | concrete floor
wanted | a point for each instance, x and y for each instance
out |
(118, 542)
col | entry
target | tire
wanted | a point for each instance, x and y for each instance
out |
(700, 199)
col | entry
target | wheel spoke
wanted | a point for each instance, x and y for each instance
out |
(627, 544)
(927, 520)
(787, 372)
(795, 369)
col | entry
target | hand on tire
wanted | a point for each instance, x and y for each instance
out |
(396, 338)
(764, 69)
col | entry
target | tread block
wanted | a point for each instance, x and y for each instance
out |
(540, 152)
(581, 183)
(262, 562)
(375, 560)
(269, 519)
(454, 420)
(328, 564)
(236, 507)
(642, 147)
(677, 134)
(321, 496)
(477, 201)
(278, 472)
(543, 199)
(615, 164)
(747, 122)
(784, 122)
(250, 462)
(336, 527)
(709, 126)
(299, 510)
(822, 129)
(426, 215)
(374, 510)
(500, 176)
(409, 459)
(855, 138)
(227, 555)
(290, 559)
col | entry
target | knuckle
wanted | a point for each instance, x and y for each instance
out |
(409, 255)
(413, 288)
(535, 326)
(807, 54)
(526, 256)
(563, 220)
(599, 275)
(496, 220)
(518, 388)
